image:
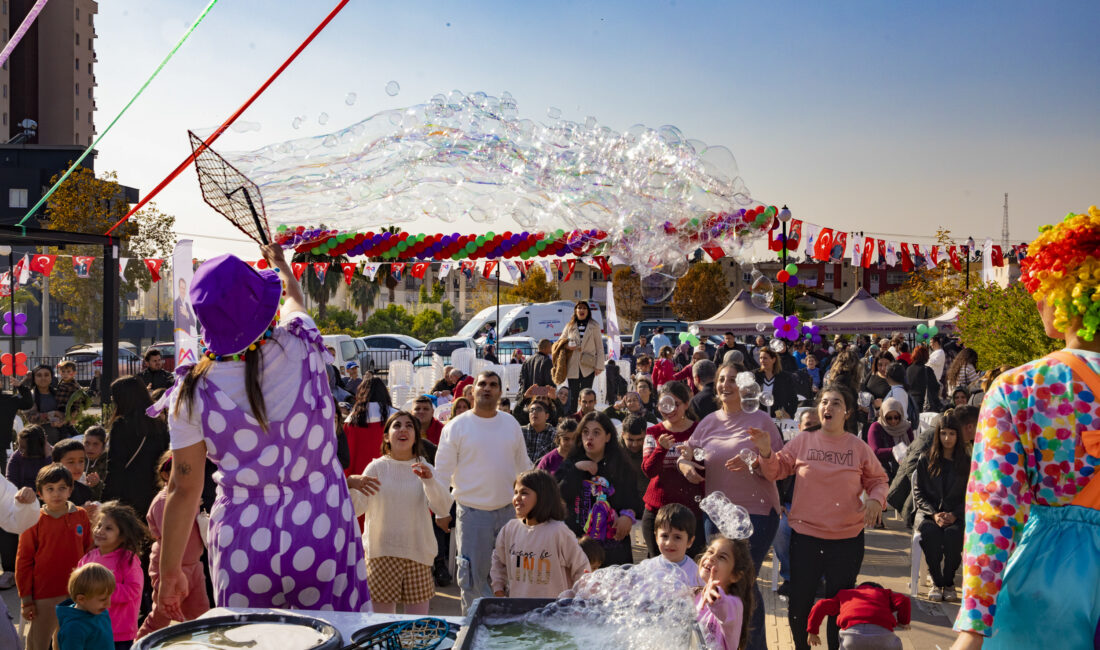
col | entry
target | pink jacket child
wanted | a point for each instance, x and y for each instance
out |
(722, 619)
(129, 581)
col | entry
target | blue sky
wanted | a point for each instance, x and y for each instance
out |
(885, 117)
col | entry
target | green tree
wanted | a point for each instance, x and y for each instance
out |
(534, 288)
(321, 292)
(432, 294)
(701, 293)
(628, 295)
(363, 293)
(431, 324)
(88, 204)
(339, 321)
(1003, 326)
(388, 320)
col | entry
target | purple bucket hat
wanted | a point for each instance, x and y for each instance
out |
(234, 303)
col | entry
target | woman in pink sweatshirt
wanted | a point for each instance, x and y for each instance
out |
(119, 538)
(828, 511)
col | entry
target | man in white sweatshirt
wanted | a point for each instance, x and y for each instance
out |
(480, 453)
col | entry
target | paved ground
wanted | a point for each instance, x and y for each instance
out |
(886, 561)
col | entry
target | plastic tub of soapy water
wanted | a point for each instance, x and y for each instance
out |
(253, 630)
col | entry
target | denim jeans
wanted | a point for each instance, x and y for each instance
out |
(782, 545)
(477, 535)
(763, 532)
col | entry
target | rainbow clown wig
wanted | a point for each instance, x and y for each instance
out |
(1062, 268)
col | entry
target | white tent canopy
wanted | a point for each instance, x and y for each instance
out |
(741, 316)
(863, 314)
(946, 321)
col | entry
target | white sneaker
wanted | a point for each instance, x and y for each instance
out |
(935, 595)
(7, 580)
(928, 581)
(949, 594)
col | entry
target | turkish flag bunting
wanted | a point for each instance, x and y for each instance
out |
(953, 253)
(349, 271)
(82, 265)
(419, 269)
(320, 268)
(490, 266)
(467, 267)
(998, 256)
(935, 256)
(396, 269)
(557, 267)
(824, 245)
(572, 266)
(154, 265)
(918, 257)
(43, 264)
(5, 284)
(298, 268)
(906, 260)
(868, 252)
(716, 253)
(882, 259)
(840, 244)
(605, 268)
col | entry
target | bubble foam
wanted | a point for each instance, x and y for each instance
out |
(731, 519)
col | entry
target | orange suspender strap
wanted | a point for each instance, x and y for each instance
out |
(1089, 496)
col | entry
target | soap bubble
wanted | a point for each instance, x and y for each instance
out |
(762, 292)
(760, 327)
(748, 456)
(777, 346)
(350, 99)
(766, 400)
(729, 518)
(750, 405)
(392, 88)
(744, 379)
(645, 197)
(296, 123)
(553, 113)
(241, 126)
(322, 118)
(752, 391)
(700, 454)
(693, 329)
(667, 404)
(657, 288)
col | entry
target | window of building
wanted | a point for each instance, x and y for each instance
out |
(89, 93)
(77, 91)
(5, 91)
(78, 38)
(90, 118)
(5, 119)
(17, 196)
(78, 13)
(77, 113)
(78, 64)
(89, 140)
(90, 69)
(90, 19)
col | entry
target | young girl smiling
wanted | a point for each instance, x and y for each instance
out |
(726, 600)
(120, 537)
(536, 555)
(397, 491)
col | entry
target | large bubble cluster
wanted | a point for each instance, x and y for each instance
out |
(470, 157)
(641, 607)
(731, 519)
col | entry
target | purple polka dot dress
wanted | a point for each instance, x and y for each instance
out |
(282, 530)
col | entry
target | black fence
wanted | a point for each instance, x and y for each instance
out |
(87, 372)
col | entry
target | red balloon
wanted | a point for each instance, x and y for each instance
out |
(782, 276)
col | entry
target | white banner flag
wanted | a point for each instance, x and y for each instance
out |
(548, 269)
(987, 261)
(370, 269)
(857, 250)
(186, 332)
(445, 269)
(512, 271)
(611, 325)
(122, 262)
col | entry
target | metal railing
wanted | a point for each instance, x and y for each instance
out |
(87, 373)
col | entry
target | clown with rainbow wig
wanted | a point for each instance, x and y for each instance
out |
(1031, 556)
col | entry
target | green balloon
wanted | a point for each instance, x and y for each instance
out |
(281, 228)
(401, 246)
(540, 246)
(791, 268)
(316, 250)
(490, 235)
(769, 212)
(922, 328)
(480, 240)
(694, 340)
(559, 233)
(470, 248)
(933, 330)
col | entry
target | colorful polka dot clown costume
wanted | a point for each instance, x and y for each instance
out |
(282, 531)
(1031, 555)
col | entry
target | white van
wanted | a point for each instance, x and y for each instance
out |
(348, 349)
(545, 320)
(477, 327)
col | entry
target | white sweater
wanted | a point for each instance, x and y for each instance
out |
(480, 458)
(398, 523)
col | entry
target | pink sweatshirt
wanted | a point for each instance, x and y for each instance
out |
(832, 473)
(722, 619)
(539, 561)
(723, 437)
(129, 581)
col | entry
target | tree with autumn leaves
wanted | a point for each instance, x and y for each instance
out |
(701, 293)
(86, 204)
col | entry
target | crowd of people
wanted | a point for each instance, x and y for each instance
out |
(245, 482)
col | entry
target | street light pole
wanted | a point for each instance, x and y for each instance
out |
(784, 216)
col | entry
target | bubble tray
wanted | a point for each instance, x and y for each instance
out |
(204, 632)
(497, 608)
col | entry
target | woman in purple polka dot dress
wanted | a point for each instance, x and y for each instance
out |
(282, 531)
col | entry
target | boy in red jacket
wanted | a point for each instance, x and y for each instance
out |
(865, 616)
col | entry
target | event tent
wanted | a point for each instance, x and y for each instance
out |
(741, 316)
(863, 314)
(946, 321)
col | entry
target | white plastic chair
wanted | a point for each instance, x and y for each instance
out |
(915, 554)
(599, 384)
(424, 379)
(400, 395)
(477, 365)
(400, 373)
(463, 359)
(624, 370)
(511, 379)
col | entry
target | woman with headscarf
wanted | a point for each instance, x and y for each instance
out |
(888, 431)
(582, 346)
(282, 529)
(1033, 501)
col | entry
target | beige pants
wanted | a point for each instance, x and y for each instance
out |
(43, 629)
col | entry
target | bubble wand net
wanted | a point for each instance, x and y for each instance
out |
(230, 192)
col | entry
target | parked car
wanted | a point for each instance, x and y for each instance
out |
(672, 326)
(384, 348)
(89, 361)
(167, 352)
(478, 327)
(443, 346)
(349, 349)
(509, 344)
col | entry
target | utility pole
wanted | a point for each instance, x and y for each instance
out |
(1004, 228)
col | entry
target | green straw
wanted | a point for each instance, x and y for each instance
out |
(145, 85)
